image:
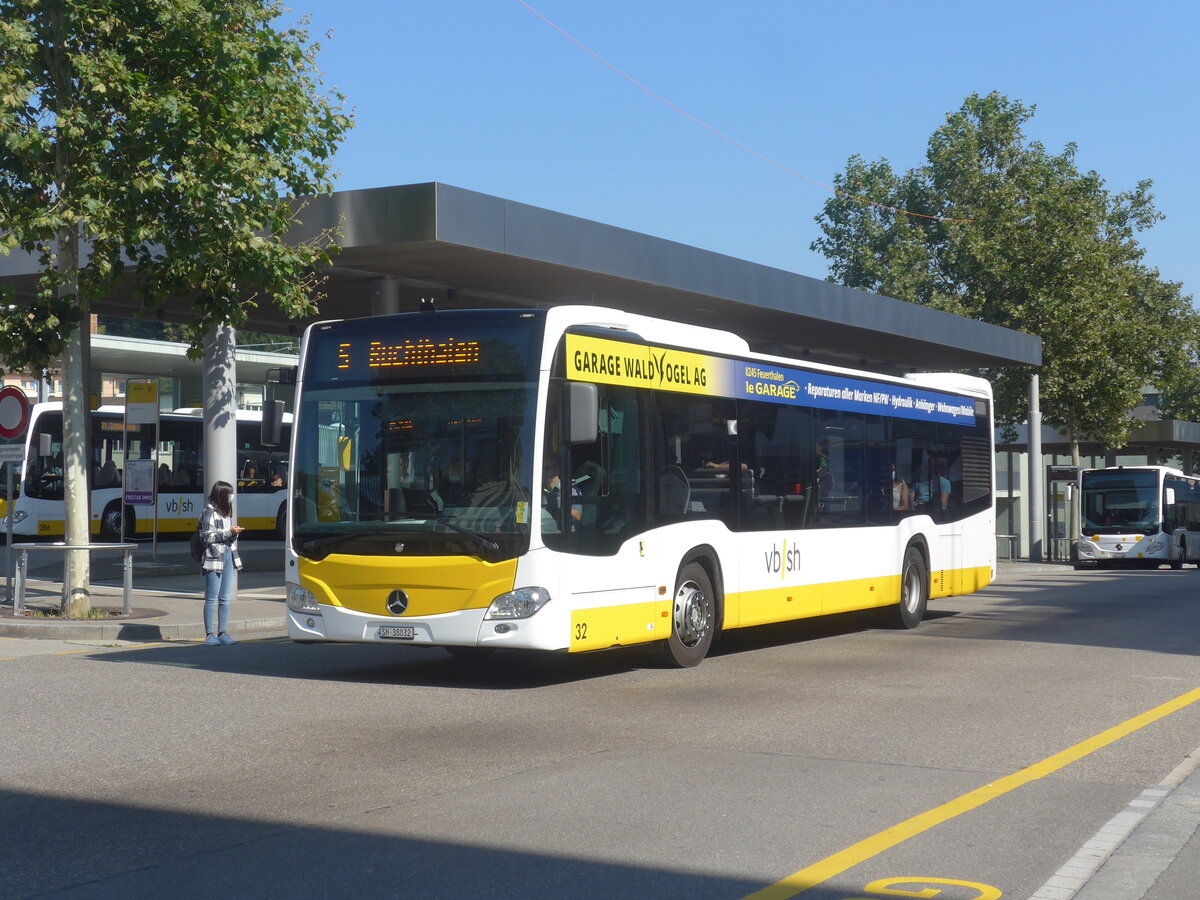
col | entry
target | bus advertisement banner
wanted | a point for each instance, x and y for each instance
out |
(661, 368)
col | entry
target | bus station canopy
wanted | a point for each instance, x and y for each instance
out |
(464, 249)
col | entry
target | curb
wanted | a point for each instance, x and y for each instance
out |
(136, 631)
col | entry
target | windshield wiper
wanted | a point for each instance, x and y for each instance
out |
(313, 547)
(485, 542)
(319, 547)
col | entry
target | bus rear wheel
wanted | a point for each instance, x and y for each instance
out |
(693, 618)
(110, 522)
(914, 593)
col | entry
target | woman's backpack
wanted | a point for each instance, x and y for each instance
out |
(197, 545)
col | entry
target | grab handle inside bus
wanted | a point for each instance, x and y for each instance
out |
(584, 405)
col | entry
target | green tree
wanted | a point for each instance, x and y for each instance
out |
(159, 141)
(994, 227)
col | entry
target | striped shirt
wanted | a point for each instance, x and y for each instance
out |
(215, 534)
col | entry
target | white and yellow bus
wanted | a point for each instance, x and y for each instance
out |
(178, 460)
(1140, 516)
(576, 478)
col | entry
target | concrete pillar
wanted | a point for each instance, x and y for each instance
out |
(1036, 470)
(385, 297)
(219, 387)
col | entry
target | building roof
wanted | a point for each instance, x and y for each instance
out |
(465, 249)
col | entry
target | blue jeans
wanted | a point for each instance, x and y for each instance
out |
(217, 588)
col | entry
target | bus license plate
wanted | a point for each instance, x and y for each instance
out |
(399, 632)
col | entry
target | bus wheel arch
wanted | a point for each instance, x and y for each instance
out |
(696, 609)
(110, 522)
(281, 521)
(913, 603)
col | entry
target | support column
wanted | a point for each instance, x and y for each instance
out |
(219, 386)
(385, 297)
(1036, 469)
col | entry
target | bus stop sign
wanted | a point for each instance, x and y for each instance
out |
(14, 412)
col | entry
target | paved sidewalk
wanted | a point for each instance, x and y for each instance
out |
(1160, 858)
(167, 599)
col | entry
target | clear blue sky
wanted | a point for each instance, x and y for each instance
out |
(482, 94)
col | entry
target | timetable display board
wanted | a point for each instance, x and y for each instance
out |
(422, 348)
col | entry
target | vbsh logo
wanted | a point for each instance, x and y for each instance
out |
(782, 561)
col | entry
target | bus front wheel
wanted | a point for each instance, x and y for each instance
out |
(914, 593)
(693, 618)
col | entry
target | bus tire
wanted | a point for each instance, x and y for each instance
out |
(914, 593)
(110, 522)
(1178, 563)
(281, 522)
(693, 618)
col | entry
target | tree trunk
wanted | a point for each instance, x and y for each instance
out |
(77, 599)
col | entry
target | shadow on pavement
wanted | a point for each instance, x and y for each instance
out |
(125, 851)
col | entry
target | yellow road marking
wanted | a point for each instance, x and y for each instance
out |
(839, 862)
(92, 649)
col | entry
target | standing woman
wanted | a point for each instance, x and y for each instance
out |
(219, 535)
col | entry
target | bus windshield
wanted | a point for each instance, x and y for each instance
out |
(435, 455)
(1120, 502)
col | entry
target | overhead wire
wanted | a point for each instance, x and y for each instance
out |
(725, 137)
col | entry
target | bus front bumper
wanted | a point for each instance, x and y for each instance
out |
(1121, 548)
(464, 628)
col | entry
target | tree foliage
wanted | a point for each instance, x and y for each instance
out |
(1008, 233)
(168, 136)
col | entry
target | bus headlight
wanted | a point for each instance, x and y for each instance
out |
(519, 604)
(1156, 546)
(301, 600)
(19, 516)
(1086, 548)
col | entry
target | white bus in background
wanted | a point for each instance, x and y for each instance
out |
(38, 508)
(1140, 516)
(580, 478)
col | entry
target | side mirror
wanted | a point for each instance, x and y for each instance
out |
(583, 403)
(272, 423)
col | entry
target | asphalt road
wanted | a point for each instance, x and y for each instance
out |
(828, 750)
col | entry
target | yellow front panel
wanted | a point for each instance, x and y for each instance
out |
(435, 585)
(608, 626)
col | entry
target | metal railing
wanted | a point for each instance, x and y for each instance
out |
(23, 551)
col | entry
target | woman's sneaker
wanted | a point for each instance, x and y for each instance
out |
(225, 639)
(211, 641)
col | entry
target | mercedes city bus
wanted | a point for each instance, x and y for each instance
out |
(1140, 516)
(578, 478)
(38, 503)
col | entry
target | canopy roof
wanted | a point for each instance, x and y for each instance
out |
(465, 249)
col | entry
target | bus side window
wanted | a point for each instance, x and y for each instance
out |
(776, 446)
